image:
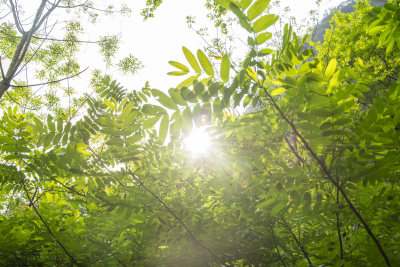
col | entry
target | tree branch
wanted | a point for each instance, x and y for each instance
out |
(46, 83)
(108, 250)
(298, 242)
(45, 223)
(195, 240)
(330, 178)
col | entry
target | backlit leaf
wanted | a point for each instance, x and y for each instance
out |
(264, 22)
(191, 59)
(188, 82)
(257, 8)
(164, 99)
(179, 66)
(163, 128)
(225, 67)
(205, 63)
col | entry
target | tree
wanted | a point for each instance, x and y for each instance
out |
(34, 42)
(310, 179)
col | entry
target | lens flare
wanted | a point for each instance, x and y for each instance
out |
(198, 142)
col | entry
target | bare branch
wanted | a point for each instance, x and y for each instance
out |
(46, 83)
(16, 18)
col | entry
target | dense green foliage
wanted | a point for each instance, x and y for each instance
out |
(310, 178)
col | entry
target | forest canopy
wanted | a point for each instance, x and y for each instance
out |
(288, 156)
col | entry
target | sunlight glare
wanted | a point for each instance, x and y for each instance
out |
(198, 142)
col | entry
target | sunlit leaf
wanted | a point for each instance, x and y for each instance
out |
(180, 66)
(225, 67)
(264, 22)
(163, 128)
(191, 59)
(257, 8)
(205, 63)
(188, 82)
(149, 123)
(164, 99)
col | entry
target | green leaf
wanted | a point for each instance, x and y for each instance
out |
(257, 8)
(162, 134)
(263, 37)
(164, 99)
(57, 139)
(67, 127)
(179, 66)
(175, 126)
(236, 10)
(50, 123)
(265, 52)
(176, 97)
(224, 3)
(379, 104)
(109, 104)
(205, 63)
(186, 120)
(127, 110)
(59, 124)
(277, 91)
(245, 3)
(147, 124)
(245, 24)
(330, 70)
(188, 95)
(177, 73)
(149, 109)
(188, 82)
(191, 59)
(251, 42)
(225, 67)
(48, 139)
(264, 22)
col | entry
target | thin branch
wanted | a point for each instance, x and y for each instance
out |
(89, 7)
(331, 179)
(67, 187)
(37, 37)
(18, 104)
(298, 242)
(45, 223)
(108, 250)
(338, 223)
(16, 18)
(295, 152)
(276, 246)
(2, 70)
(36, 25)
(32, 56)
(195, 240)
(46, 83)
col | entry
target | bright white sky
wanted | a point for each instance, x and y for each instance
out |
(157, 40)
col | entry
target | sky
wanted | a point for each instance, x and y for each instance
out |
(160, 39)
(155, 41)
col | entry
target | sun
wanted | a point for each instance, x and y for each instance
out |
(198, 142)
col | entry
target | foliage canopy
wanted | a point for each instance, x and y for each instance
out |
(310, 178)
